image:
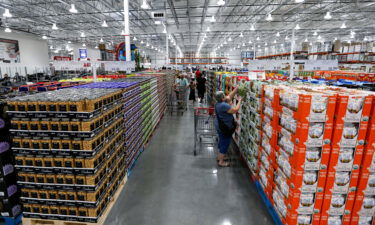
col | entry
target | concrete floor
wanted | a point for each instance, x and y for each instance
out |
(169, 186)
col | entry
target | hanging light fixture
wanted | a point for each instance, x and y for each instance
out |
(69, 42)
(213, 20)
(7, 14)
(250, 42)
(83, 34)
(135, 38)
(220, 2)
(319, 37)
(315, 33)
(265, 44)
(258, 38)
(208, 29)
(352, 34)
(73, 9)
(297, 27)
(269, 17)
(7, 30)
(365, 39)
(147, 44)
(252, 28)
(104, 24)
(229, 39)
(165, 30)
(343, 26)
(44, 37)
(123, 33)
(275, 41)
(278, 34)
(101, 40)
(306, 40)
(299, 1)
(51, 47)
(142, 42)
(54, 27)
(286, 38)
(328, 16)
(241, 35)
(244, 44)
(83, 45)
(144, 5)
(96, 46)
(225, 42)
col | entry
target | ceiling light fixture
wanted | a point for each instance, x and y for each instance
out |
(135, 38)
(44, 37)
(165, 30)
(144, 5)
(7, 14)
(269, 17)
(297, 27)
(83, 45)
(278, 34)
(213, 20)
(83, 34)
(229, 39)
(328, 16)
(104, 24)
(241, 35)
(343, 26)
(54, 27)
(157, 22)
(365, 39)
(258, 38)
(250, 42)
(220, 2)
(123, 33)
(69, 42)
(252, 28)
(319, 37)
(73, 9)
(208, 29)
(142, 42)
(315, 33)
(96, 46)
(275, 41)
(299, 1)
(101, 40)
(7, 30)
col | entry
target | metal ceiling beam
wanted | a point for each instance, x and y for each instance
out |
(173, 10)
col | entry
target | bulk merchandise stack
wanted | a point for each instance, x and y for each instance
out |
(9, 192)
(74, 146)
(316, 157)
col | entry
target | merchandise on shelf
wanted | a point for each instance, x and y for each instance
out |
(75, 146)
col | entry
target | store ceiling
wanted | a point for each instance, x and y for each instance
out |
(188, 20)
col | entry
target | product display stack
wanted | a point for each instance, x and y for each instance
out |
(69, 148)
(353, 108)
(251, 113)
(9, 192)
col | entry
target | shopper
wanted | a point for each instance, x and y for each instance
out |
(201, 86)
(224, 123)
(192, 86)
(198, 73)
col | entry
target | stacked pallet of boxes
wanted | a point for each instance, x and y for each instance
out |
(70, 152)
(9, 192)
(312, 145)
(251, 109)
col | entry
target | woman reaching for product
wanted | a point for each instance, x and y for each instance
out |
(224, 123)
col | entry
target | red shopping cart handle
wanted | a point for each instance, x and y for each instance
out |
(204, 110)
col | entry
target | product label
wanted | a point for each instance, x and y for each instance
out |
(344, 166)
(336, 211)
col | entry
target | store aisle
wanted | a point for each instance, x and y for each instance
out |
(169, 186)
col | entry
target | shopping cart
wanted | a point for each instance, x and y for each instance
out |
(204, 129)
(178, 100)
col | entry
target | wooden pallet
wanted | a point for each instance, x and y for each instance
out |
(101, 221)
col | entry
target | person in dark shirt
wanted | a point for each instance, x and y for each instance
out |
(224, 112)
(201, 86)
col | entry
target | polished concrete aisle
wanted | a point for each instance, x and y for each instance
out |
(169, 186)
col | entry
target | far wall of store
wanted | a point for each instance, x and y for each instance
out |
(33, 54)
(92, 53)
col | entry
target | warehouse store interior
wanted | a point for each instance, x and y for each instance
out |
(204, 112)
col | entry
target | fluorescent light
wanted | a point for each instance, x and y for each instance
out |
(286, 38)
(229, 39)
(269, 17)
(165, 30)
(54, 27)
(44, 37)
(101, 40)
(123, 32)
(51, 47)
(144, 5)
(83, 34)
(297, 27)
(243, 44)
(73, 9)
(7, 30)
(96, 46)
(7, 13)
(104, 24)
(328, 16)
(252, 28)
(142, 42)
(299, 1)
(275, 41)
(208, 29)
(135, 38)
(220, 2)
(157, 22)
(69, 42)
(258, 38)
(306, 40)
(365, 39)
(278, 34)
(250, 42)
(319, 37)
(343, 26)
(315, 33)
(265, 44)
(213, 20)
(241, 35)
(83, 45)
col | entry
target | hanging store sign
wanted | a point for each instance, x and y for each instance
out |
(83, 53)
